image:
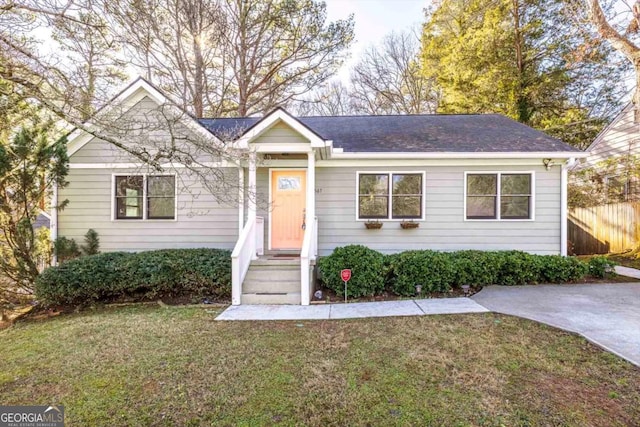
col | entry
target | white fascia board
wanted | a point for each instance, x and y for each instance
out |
(416, 162)
(268, 121)
(461, 155)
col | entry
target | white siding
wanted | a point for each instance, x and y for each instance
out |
(281, 133)
(201, 220)
(620, 138)
(444, 227)
(147, 127)
(98, 151)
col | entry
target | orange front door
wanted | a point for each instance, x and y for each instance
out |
(288, 202)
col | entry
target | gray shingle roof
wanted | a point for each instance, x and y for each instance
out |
(41, 221)
(413, 133)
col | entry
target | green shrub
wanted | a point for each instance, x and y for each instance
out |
(475, 268)
(142, 275)
(79, 280)
(91, 243)
(434, 271)
(516, 268)
(65, 249)
(599, 266)
(439, 271)
(367, 266)
(558, 269)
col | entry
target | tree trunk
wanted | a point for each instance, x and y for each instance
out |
(620, 43)
(523, 108)
(198, 89)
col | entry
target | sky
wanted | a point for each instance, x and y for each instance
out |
(373, 20)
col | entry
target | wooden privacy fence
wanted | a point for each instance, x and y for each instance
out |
(605, 228)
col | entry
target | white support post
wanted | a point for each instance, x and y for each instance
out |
(240, 199)
(305, 273)
(311, 187)
(563, 205)
(252, 199)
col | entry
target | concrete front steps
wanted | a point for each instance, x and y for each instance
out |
(272, 280)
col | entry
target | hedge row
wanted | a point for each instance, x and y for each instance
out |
(373, 272)
(141, 275)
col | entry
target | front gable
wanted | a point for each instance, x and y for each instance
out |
(281, 137)
(280, 130)
(140, 114)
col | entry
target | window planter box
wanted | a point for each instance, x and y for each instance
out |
(409, 224)
(373, 225)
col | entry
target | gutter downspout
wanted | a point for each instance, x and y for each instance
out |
(53, 222)
(563, 204)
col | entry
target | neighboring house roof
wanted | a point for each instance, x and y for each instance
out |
(607, 145)
(412, 133)
(43, 220)
(628, 107)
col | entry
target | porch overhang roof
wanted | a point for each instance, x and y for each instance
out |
(250, 135)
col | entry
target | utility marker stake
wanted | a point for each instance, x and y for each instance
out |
(345, 275)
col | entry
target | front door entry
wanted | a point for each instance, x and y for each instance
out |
(288, 202)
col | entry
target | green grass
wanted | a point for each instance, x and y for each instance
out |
(146, 365)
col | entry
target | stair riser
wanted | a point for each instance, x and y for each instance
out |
(271, 299)
(261, 286)
(272, 276)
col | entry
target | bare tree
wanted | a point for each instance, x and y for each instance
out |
(30, 61)
(333, 99)
(388, 79)
(158, 137)
(280, 50)
(286, 48)
(232, 57)
(176, 43)
(623, 42)
(93, 58)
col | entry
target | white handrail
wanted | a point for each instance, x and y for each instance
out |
(243, 253)
(308, 253)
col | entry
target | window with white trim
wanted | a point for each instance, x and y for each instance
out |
(386, 195)
(145, 197)
(499, 195)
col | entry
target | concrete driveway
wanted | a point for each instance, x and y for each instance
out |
(606, 314)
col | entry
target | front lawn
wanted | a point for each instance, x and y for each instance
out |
(147, 365)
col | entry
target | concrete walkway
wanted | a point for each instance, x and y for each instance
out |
(627, 271)
(419, 307)
(606, 314)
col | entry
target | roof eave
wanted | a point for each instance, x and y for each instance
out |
(461, 155)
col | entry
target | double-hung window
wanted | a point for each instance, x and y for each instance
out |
(387, 195)
(500, 195)
(145, 197)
